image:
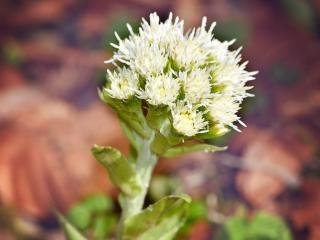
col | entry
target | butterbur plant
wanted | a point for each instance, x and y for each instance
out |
(171, 91)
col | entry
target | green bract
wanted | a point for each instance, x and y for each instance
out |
(159, 221)
(121, 172)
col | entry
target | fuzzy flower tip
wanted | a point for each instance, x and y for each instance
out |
(198, 77)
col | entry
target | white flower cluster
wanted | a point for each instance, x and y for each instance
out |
(194, 74)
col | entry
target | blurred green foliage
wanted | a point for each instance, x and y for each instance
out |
(284, 74)
(161, 186)
(222, 140)
(262, 226)
(100, 78)
(233, 29)
(301, 12)
(197, 211)
(119, 25)
(257, 105)
(94, 216)
(70, 231)
(12, 54)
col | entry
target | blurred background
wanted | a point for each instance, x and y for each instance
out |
(266, 185)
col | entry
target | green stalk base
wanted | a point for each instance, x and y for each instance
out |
(146, 161)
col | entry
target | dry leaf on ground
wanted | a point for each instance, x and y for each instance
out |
(45, 158)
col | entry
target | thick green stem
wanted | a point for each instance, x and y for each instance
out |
(146, 161)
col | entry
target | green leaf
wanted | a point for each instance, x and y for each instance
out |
(70, 231)
(159, 221)
(176, 151)
(121, 172)
(98, 203)
(129, 111)
(79, 216)
(82, 213)
(197, 210)
(102, 226)
(234, 228)
(262, 226)
(269, 227)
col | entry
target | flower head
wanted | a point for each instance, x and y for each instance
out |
(122, 83)
(223, 111)
(161, 89)
(185, 72)
(187, 119)
(196, 85)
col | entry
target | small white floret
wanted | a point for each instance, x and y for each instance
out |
(187, 120)
(223, 110)
(196, 85)
(123, 83)
(161, 89)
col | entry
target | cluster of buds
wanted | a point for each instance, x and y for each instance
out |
(196, 77)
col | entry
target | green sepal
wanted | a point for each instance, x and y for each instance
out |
(70, 231)
(120, 171)
(158, 118)
(129, 111)
(214, 132)
(159, 144)
(159, 221)
(133, 137)
(184, 149)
